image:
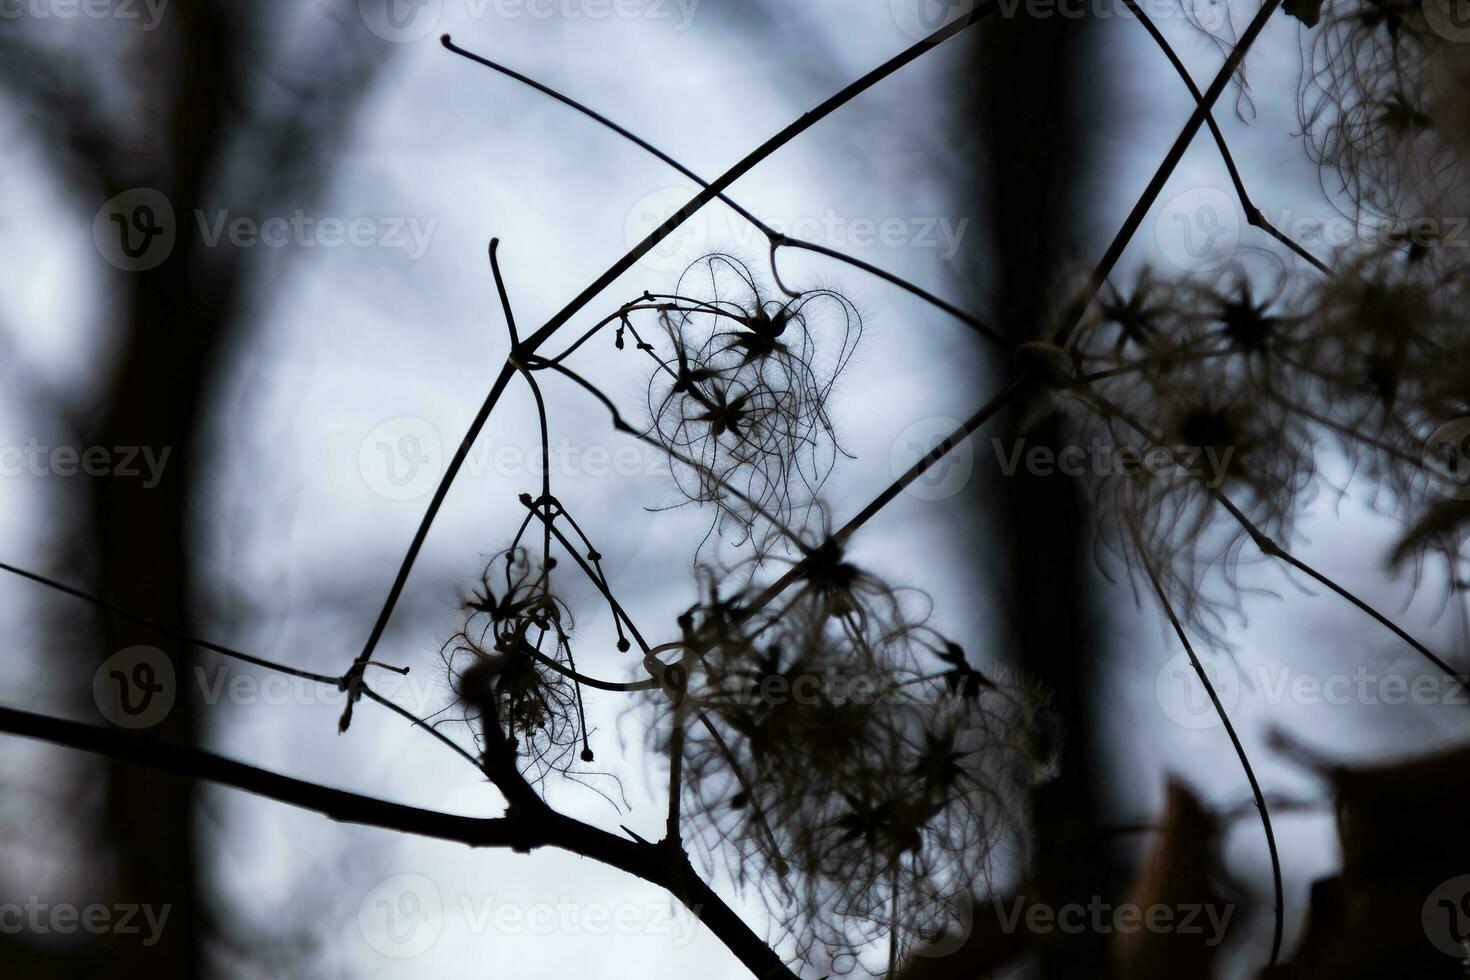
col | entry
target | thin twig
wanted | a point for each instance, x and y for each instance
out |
(1253, 214)
(1145, 202)
(1095, 280)
(1245, 762)
(171, 632)
(776, 238)
(400, 581)
(1268, 545)
(621, 425)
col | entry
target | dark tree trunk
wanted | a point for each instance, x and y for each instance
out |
(1032, 102)
(175, 320)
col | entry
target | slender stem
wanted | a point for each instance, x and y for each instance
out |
(621, 425)
(1166, 169)
(1252, 213)
(510, 317)
(945, 447)
(400, 581)
(721, 745)
(776, 238)
(755, 157)
(617, 687)
(340, 683)
(1269, 546)
(170, 631)
(974, 322)
(621, 313)
(1245, 762)
(1096, 279)
(598, 581)
(751, 800)
(418, 722)
(545, 431)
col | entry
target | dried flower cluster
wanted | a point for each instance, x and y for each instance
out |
(1211, 394)
(1180, 390)
(831, 735)
(503, 664)
(1384, 106)
(742, 390)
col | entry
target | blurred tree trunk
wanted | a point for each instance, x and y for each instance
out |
(1032, 102)
(200, 111)
(174, 323)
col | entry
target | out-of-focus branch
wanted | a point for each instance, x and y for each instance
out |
(64, 98)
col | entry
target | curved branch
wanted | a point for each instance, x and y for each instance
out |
(1253, 214)
(169, 631)
(1245, 762)
(776, 238)
(1150, 195)
(1268, 545)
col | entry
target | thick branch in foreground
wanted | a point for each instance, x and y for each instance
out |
(659, 864)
